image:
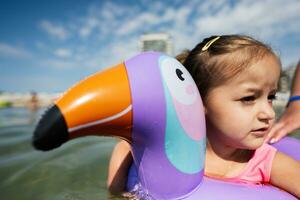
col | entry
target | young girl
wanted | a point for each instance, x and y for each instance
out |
(237, 78)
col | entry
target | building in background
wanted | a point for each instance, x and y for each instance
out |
(284, 87)
(286, 79)
(284, 82)
(161, 42)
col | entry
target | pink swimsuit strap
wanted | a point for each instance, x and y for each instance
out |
(258, 169)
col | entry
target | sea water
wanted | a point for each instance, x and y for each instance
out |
(75, 171)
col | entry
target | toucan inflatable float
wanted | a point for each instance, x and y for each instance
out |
(152, 102)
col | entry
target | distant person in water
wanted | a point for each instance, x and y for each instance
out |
(33, 102)
(290, 119)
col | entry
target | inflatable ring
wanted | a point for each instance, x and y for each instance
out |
(152, 102)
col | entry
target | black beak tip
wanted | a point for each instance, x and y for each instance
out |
(51, 131)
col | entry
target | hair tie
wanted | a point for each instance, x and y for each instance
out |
(209, 43)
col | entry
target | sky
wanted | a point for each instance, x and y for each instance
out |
(47, 46)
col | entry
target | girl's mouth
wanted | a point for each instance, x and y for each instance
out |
(261, 132)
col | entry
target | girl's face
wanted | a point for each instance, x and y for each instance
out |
(239, 113)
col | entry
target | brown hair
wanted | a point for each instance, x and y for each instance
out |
(225, 58)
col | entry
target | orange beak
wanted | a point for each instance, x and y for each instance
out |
(98, 105)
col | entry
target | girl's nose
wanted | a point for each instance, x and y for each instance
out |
(266, 112)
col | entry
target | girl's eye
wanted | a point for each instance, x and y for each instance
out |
(248, 99)
(272, 97)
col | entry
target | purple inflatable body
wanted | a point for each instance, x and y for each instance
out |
(164, 145)
(156, 106)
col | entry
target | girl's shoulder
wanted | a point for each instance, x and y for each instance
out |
(259, 167)
(263, 157)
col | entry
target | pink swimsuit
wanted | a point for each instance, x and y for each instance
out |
(258, 168)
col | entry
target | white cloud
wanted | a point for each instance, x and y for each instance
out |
(12, 51)
(102, 20)
(40, 45)
(63, 53)
(187, 23)
(86, 30)
(60, 64)
(262, 18)
(110, 55)
(144, 19)
(123, 49)
(291, 57)
(57, 31)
